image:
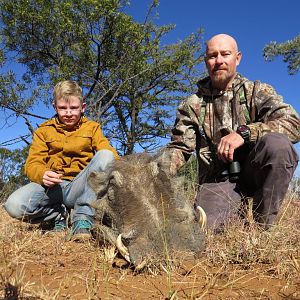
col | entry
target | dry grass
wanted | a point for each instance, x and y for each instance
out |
(242, 263)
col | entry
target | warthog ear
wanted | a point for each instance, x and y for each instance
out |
(118, 177)
(153, 167)
(98, 181)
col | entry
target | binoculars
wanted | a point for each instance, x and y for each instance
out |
(232, 172)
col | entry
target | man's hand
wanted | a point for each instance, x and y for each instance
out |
(51, 178)
(227, 146)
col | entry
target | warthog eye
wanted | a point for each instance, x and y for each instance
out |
(107, 220)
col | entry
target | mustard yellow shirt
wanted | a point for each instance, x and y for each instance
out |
(65, 151)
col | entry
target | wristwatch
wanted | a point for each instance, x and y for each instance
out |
(244, 132)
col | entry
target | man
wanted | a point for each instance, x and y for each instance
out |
(64, 151)
(242, 133)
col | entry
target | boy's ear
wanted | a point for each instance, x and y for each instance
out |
(83, 106)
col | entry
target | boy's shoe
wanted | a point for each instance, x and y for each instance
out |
(54, 225)
(60, 225)
(81, 230)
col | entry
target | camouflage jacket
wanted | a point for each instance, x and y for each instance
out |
(203, 116)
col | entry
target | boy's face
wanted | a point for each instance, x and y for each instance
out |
(69, 112)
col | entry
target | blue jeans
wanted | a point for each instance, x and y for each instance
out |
(34, 203)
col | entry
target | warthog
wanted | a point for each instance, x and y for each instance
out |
(141, 211)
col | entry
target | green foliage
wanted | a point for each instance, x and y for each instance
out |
(12, 93)
(290, 50)
(131, 81)
(11, 170)
(190, 174)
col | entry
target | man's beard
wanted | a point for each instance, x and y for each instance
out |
(220, 80)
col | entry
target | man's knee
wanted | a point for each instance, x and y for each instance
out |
(278, 148)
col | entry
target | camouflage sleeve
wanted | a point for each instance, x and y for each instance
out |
(273, 115)
(183, 141)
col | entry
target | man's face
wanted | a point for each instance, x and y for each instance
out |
(69, 112)
(221, 60)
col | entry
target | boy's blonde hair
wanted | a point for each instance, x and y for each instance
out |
(66, 88)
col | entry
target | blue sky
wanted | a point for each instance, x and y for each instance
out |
(253, 24)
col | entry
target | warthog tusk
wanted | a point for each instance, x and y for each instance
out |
(202, 216)
(141, 265)
(122, 248)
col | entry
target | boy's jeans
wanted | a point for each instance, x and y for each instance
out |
(34, 203)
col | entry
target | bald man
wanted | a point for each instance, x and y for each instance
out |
(242, 133)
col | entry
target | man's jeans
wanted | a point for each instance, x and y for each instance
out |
(34, 203)
(265, 176)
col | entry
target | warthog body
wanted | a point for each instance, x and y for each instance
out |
(141, 207)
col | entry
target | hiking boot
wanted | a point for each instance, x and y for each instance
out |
(81, 230)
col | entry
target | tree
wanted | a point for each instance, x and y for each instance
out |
(290, 50)
(11, 170)
(131, 80)
(16, 99)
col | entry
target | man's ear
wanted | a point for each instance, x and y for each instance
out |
(238, 58)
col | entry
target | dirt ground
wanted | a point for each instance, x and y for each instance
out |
(41, 265)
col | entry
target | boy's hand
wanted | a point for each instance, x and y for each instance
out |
(51, 178)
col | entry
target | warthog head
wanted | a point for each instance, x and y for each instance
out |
(141, 211)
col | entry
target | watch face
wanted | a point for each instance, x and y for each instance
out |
(244, 132)
(243, 128)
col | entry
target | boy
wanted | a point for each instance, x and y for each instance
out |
(64, 151)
